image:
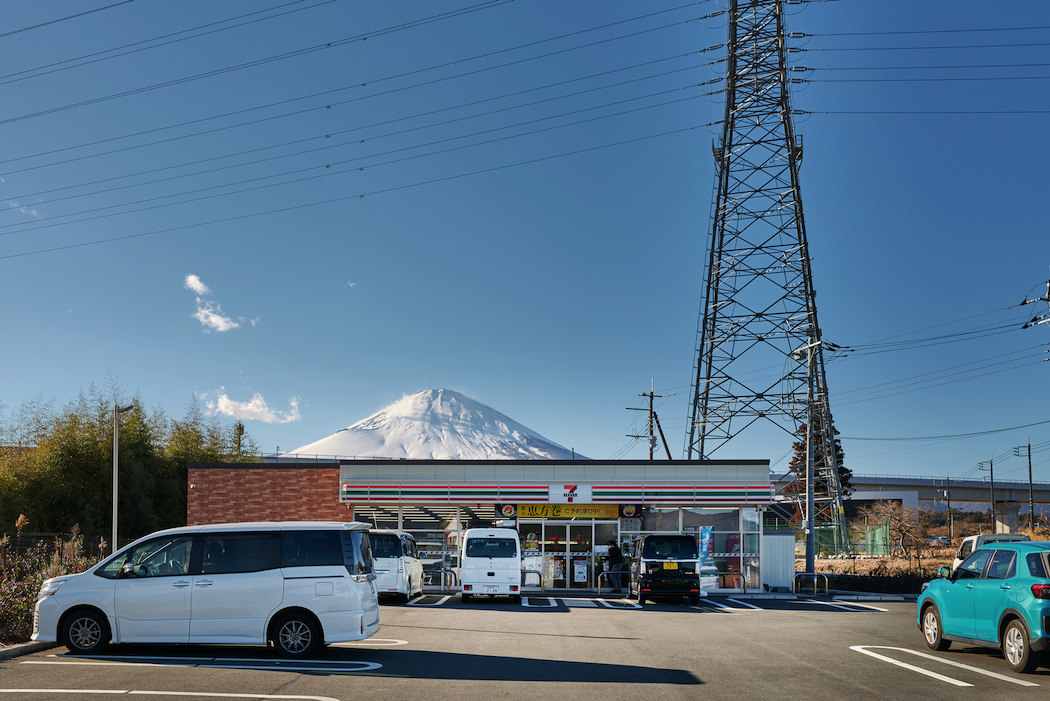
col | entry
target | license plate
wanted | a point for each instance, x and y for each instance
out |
(670, 565)
(491, 590)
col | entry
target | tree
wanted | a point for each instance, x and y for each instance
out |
(821, 458)
(60, 472)
(905, 523)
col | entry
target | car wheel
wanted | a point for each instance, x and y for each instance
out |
(85, 632)
(466, 598)
(1016, 649)
(516, 598)
(931, 629)
(297, 635)
(694, 599)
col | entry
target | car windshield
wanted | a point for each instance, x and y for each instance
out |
(675, 548)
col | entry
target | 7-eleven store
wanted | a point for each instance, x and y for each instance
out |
(567, 512)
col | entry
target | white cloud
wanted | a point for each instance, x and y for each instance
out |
(210, 313)
(194, 283)
(211, 317)
(254, 409)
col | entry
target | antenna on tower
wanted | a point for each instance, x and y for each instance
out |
(759, 358)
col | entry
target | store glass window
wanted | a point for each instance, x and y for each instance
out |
(751, 519)
(716, 518)
(656, 518)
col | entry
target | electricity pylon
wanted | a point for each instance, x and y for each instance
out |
(759, 357)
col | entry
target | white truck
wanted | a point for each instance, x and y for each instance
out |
(972, 542)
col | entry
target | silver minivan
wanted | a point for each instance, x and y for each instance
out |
(398, 567)
(297, 586)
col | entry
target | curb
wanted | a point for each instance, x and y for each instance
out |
(10, 651)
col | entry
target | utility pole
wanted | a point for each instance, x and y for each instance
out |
(948, 497)
(652, 416)
(1031, 498)
(991, 484)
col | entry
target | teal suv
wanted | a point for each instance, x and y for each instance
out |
(998, 597)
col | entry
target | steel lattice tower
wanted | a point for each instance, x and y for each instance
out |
(759, 357)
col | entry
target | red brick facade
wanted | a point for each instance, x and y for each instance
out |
(228, 493)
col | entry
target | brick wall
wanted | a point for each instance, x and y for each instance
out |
(227, 493)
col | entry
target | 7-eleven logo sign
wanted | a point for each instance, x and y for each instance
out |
(569, 494)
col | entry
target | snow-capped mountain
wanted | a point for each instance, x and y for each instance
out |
(437, 424)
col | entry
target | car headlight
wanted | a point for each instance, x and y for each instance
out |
(48, 588)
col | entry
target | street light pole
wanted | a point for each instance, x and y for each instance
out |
(117, 411)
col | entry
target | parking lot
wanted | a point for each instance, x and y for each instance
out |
(573, 647)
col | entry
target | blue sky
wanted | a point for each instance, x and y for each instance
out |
(301, 211)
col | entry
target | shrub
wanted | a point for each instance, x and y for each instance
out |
(22, 573)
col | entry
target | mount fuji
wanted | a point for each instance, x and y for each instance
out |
(437, 424)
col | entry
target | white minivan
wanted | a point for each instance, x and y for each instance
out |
(490, 563)
(398, 568)
(295, 585)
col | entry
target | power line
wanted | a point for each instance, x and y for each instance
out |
(63, 19)
(333, 200)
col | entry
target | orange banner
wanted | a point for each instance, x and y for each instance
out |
(568, 510)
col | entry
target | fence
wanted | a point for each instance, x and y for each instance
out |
(18, 543)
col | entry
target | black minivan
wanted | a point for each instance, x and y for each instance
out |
(665, 565)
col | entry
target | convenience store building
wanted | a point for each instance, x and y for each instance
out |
(566, 512)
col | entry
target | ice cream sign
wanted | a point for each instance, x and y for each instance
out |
(569, 494)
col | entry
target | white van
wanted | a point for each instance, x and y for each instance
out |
(398, 567)
(490, 563)
(972, 542)
(296, 585)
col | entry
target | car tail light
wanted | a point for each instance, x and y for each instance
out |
(1041, 591)
(466, 587)
(513, 587)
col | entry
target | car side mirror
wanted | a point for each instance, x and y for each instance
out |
(944, 573)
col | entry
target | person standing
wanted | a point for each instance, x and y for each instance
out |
(615, 565)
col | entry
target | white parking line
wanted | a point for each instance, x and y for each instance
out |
(419, 602)
(624, 604)
(825, 603)
(197, 694)
(552, 603)
(744, 603)
(372, 642)
(579, 603)
(866, 649)
(217, 663)
(851, 602)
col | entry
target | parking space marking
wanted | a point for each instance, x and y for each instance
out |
(826, 603)
(744, 603)
(867, 650)
(620, 604)
(579, 603)
(215, 663)
(372, 642)
(551, 602)
(439, 602)
(198, 694)
(850, 602)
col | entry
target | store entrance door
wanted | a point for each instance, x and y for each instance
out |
(564, 551)
(567, 554)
